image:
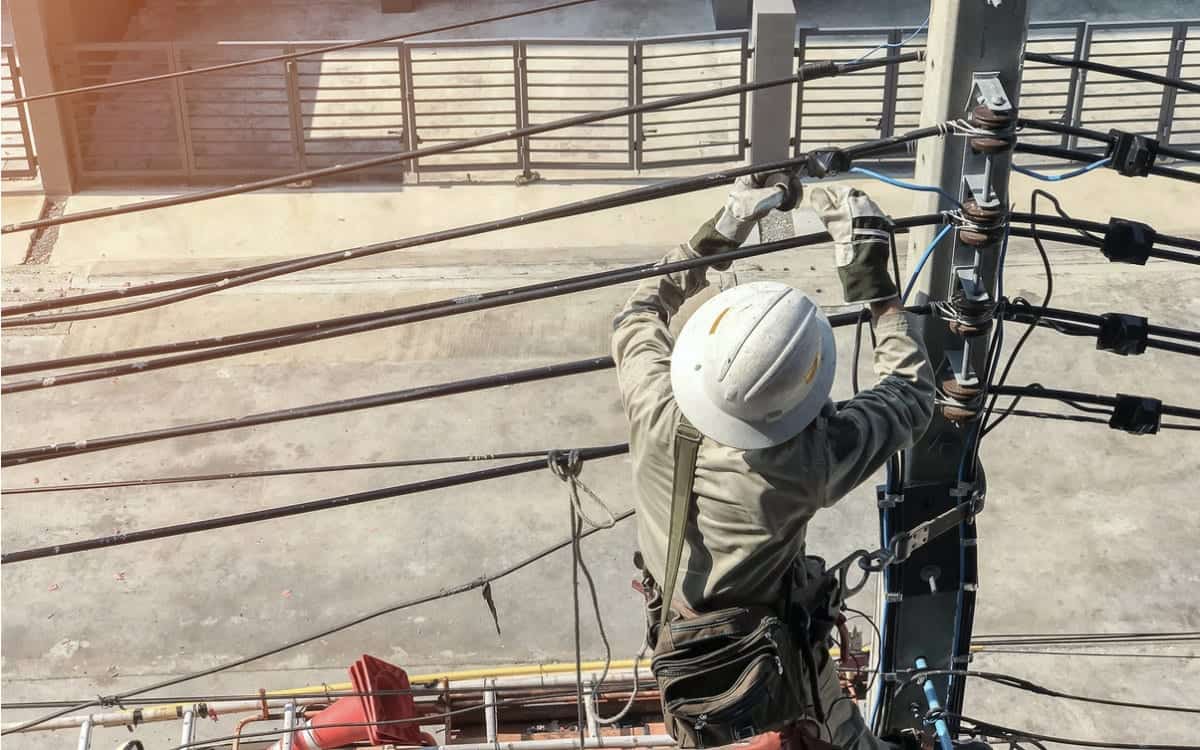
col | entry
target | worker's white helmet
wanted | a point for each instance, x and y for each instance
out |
(754, 365)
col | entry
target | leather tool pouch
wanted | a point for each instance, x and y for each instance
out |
(727, 675)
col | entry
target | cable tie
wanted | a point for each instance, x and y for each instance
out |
(1137, 415)
(1128, 241)
(1132, 155)
(1122, 334)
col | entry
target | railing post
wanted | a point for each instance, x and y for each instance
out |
(409, 108)
(798, 54)
(183, 129)
(743, 77)
(18, 91)
(1174, 70)
(633, 84)
(891, 83)
(1069, 114)
(291, 77)
(774, 41)
(521, 103)
(639, 137)
(1081, 83)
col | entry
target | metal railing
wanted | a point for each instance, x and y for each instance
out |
(17, 159)
(311, 112)
(872, 104)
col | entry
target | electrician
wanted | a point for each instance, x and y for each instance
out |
(752, 371)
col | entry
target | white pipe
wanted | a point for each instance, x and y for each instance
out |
(85, 734)
(489, 713)
(623, 741)
(171, 712)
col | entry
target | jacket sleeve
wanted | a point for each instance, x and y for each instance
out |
(642, 342)
(887, 418)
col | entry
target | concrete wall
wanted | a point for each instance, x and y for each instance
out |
(101, 20)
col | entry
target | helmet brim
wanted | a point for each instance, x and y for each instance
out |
(725, 428)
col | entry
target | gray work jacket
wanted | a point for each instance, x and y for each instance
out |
(752, 507)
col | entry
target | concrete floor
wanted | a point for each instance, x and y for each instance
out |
(1085, 530)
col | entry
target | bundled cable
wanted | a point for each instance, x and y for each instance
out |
(807, 72)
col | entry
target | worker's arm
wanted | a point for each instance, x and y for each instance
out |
(892, 415)
(884, 419)
(642, 342)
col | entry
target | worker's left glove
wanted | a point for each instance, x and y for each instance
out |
(862, 235)
(752, 198)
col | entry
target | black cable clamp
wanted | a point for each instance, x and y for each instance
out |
(885, 499)
(1122, 334)
(1137, 415)
(1132, 155)
(824, 162)
(1127, 241)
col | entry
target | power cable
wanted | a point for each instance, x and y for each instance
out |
(886, 179)
(236, 475)
(895, 45)
(1005, 733)
(209, 283)
(290, 55)
(807, 72)
(1065, 396)
(296, 509)
(22, 456)
(260, 340)
(1052, 126)
(1028, 686)
(1130, 73)
(925, 256)
(476, 583)
(1011, 411)
(1012, 357)
(387, 398)
(1058, 152)
(1065, 175)
(347, 325)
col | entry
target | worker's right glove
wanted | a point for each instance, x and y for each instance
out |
(752, 198)
(861, 234)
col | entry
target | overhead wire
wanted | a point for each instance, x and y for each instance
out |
(471, 585)
(1059, 152)
(347, 325)
(1000, 732)
(807, 72)
(212, 523)
(219, 347)
(1114, 70)
(260, 473)
(905, 184)
(213, 282)
(1019, 683)
(1053, 126)
(1063, 176)
(895, 45)
(289, 55)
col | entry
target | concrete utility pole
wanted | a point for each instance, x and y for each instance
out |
(972, 72)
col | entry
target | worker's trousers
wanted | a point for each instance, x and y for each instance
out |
(844, 723)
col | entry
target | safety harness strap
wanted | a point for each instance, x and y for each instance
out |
(687, 447)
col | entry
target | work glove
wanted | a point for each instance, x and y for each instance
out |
(752, 198)
(861, 234)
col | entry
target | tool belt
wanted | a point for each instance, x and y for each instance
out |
(732, 673)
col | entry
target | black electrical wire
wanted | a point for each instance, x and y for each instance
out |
(333, 328)
(22, 456)
(217, 281)
(1012, 357)
(1086, 638)
(1005, 733)
(807, 72)
(1034, 651)
(1096, 135)
(1130, 73)
(235, 475)
(1065, 396)
(1008, 411)
(300, 333)
(295, 509)
(387, 398)
(289, 55)
(1058, 152)
(476, 583)
(1019, 683)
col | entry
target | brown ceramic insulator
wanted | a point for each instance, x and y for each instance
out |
(969, 330)
(951, 387)
(985, 145)
(987, 118)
